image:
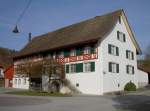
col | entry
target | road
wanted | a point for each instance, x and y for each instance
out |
(132, 102)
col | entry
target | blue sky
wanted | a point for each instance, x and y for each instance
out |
(44, 16)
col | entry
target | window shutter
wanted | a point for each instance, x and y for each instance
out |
(132, 70)
(109, 48)
(127, 68)
(92, 50)
(92, 66)
(67, 68)
(110, 67)
(117, 51)
(124, 37)
(118, 35)
(66, 53)
(79, 67)
(79, 51)
(132, 56)
(117, 68)
(127, 54)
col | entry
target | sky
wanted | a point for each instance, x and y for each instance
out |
(44, 16)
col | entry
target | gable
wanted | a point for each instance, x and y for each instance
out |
(130, 32)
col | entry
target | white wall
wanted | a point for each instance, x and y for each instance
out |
(111, 80)
(21, 84)
(1, 72)
(142, 78)
(89, 83)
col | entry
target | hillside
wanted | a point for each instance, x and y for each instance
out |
(6, 52)
(6, 57)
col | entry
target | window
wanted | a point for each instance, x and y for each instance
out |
(73, 52)
(129, 69)
(113, 67)
(72, 68)
(121, 36)
(113, 50)
(66, 53)
(54, 55)
(129, 55)
(19, 81)
(60, 54)
(79, 51)
(15, 81)
(25, 81)
(87, 50)
(77, 68)
(89, 67)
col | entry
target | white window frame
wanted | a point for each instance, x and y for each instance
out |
(113, 49)
(113, 67)
(72, 68)
(19, 81)
(73, 52)
(121, 36)
(87, 67)
(129, 53)
(24, 81)
(130, 69)
(87, 50)
(15, 81)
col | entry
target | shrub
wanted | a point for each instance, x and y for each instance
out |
(130, 86)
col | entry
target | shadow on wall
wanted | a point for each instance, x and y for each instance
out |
(132, 103)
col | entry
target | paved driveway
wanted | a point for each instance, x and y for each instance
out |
(132, 102)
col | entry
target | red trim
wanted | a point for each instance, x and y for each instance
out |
(78, 58)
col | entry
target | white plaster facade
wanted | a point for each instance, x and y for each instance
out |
(117, 81)
(21, 82)
(1, 72)
(101, 80)
(142, 78)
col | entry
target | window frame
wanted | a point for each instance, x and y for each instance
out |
(129, 54)
(113, 67)
(72, 52)
(72, 68)
(130, 69)
(121, 36)
(113, 50)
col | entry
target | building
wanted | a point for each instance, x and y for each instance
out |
(5, 62)
(1, 76)
(99, 54)
(144, 73)
(8, 74)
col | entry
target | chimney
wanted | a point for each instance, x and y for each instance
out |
(30, 37)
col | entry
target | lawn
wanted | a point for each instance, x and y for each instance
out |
(37, 93)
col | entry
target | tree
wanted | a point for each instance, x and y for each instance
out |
(47, 66)
(147, 55)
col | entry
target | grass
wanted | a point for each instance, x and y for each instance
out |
(37, 93)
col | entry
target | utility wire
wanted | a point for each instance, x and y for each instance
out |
(22, 14)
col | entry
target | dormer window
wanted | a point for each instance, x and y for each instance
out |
(121, 36)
